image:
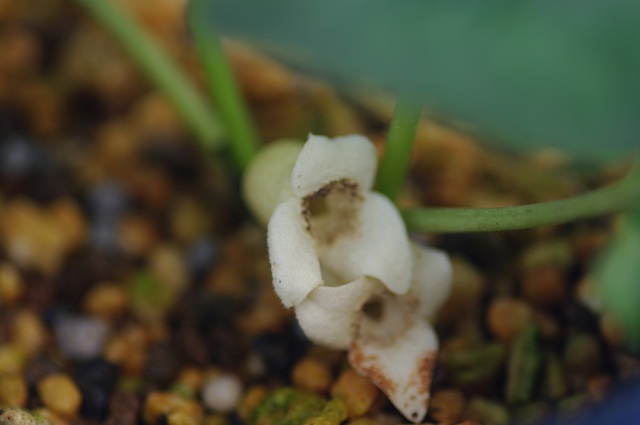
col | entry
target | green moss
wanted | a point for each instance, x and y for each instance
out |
(476, 366)
(333, 414)
(523, 369)
(16, 416)
(487, 412)
(149, 297)
(287, 406)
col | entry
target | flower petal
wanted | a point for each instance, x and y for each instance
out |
(432, 277)
(294, 262)
(323, 160)
(401, 366)
(379, 247)
(329, 315)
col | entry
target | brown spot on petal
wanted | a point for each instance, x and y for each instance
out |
(419, 385)
(425, 372)
(369, 366)
(332, 211)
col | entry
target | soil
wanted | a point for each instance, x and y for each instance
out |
(135, 286)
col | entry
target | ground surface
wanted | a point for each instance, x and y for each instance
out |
(135, 288)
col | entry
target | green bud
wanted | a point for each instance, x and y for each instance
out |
(267, 180)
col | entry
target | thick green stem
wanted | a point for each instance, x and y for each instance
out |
(397, 154)
(161, 70)
(222, 86)
(614, 198)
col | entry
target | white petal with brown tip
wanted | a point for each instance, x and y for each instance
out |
(401, 365)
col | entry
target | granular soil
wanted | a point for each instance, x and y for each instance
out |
(135, 287)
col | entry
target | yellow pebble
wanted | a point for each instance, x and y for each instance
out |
(59, 393)
(12, 358)
(66, 214)
(13, 391)
(311, 374)
(136, 235)
(188, 382)
(250, 400)
(189, 220)
(357, 392)
(364, 421)
(447, 406)
(162, 404)
(215, 419)
(11, 285)
(129, 350)
(32, 237)
(167, 266)
(106, 300)
(181, 418)
(28, 332)
(507, 317)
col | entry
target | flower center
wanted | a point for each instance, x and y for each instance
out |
(385, 316)
(374, 308)
(332, 211)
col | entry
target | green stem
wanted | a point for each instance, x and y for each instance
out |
(161, 69)
(616, 197)
(222, 86)
(397, 154)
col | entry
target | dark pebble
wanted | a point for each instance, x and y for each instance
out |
(96, 379)
(19, 157)
(213, 309)
(235, 419)
(5, 333)
(107, 201)
(41, 366)
(192, 344)
(201, 256)
(12, 121)
(40, 290)
(280, 351)
(82, 270)
(204, 309)
(95, 402)
(103, 236)
(226, 347)
(51, 182)
(627, 367)
(211, 320)
(486, 251)
(179, 160)
(124, 409)
(579, 317)
(86, 108)
(163, 363)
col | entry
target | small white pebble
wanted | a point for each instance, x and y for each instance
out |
(222, 393)
(81, 337)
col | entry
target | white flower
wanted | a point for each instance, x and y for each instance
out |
(340, 255)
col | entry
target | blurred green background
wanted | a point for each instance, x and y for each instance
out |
(525, 73)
